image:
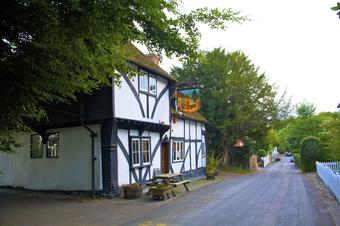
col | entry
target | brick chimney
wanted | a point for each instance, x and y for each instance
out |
(153, 57)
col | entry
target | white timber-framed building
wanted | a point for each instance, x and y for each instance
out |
(117, 135)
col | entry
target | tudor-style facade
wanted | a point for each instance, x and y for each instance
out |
(112, 137)
(188, 147)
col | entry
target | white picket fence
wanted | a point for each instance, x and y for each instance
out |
(329, 172)
(265, 160)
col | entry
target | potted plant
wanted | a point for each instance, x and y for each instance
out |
(212, 163)
(160, 191)
(133, 191)
(210, 175)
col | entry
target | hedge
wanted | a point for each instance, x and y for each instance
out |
(311, 151)
(297, 160)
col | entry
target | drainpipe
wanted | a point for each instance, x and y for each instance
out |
(92, 135)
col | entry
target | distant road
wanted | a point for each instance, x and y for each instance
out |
(280, 195)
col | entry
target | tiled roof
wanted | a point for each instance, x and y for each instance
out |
(196, 116)
(139, 58)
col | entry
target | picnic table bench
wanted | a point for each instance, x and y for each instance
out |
(172, 180)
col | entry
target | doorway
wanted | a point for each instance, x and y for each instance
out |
(165, 158)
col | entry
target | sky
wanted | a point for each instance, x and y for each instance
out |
(295, 42)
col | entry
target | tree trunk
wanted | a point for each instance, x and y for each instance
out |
(226, 154)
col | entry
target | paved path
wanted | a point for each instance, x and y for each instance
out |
(280, 195)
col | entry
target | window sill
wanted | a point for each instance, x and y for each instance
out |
(147, 93)
(140, 166)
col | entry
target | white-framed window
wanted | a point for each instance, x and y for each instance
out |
(135, 152)
(147, 83)
(177, 150)
(152, 85)
(36, 146)
(144, 81)
(146, 150)
(204, 151)
(52, 150)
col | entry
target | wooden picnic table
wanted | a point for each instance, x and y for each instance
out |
(172, 180)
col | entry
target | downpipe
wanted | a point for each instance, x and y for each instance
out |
(93, 135)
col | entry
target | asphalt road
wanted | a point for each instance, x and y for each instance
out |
(280, 195)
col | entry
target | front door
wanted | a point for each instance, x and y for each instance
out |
(165, 158)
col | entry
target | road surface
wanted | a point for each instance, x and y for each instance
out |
(280, 195)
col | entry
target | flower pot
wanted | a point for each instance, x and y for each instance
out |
(211, 175)
(160, 192)
(133, 191)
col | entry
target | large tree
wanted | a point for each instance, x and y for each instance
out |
(52, 49)
(236, 97)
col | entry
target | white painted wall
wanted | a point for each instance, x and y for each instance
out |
(187, 129)
(123, 164)
(71, 171)
(127, 107)
(177, 129)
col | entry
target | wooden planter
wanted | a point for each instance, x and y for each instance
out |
(133, 191)
(210, 175)
(160, 193)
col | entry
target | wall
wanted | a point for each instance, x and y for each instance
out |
(191, 133)
(70, 172)
(131, 106)
(139, 175)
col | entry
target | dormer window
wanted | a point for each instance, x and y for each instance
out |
(147, 83)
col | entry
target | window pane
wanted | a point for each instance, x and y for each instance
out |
(146, 150)
(152, 86)
(52, 145)
(143, 82)
(174, 150)
(203, 150)
(135, 151)
(182, 151)
(36, 146)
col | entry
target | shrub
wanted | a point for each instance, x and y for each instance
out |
(296, 151)
(261, 153)
(311, 150)
(297, 160)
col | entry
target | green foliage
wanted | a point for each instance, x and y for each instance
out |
(305, 109)
(337, 8)
(325, 126)
(51, 50)
(272, 138)
(261, 153)
(297, 159)
(311, 151)
(7, 141)
(236, 98)
(330, 136)
(296, 151)
(213, 161)
(292, 135)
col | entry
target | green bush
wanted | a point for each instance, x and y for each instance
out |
(261, 153)
(311, 150)
(296, 151)
(297, 160)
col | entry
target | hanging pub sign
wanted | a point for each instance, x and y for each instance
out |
(188, 100)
